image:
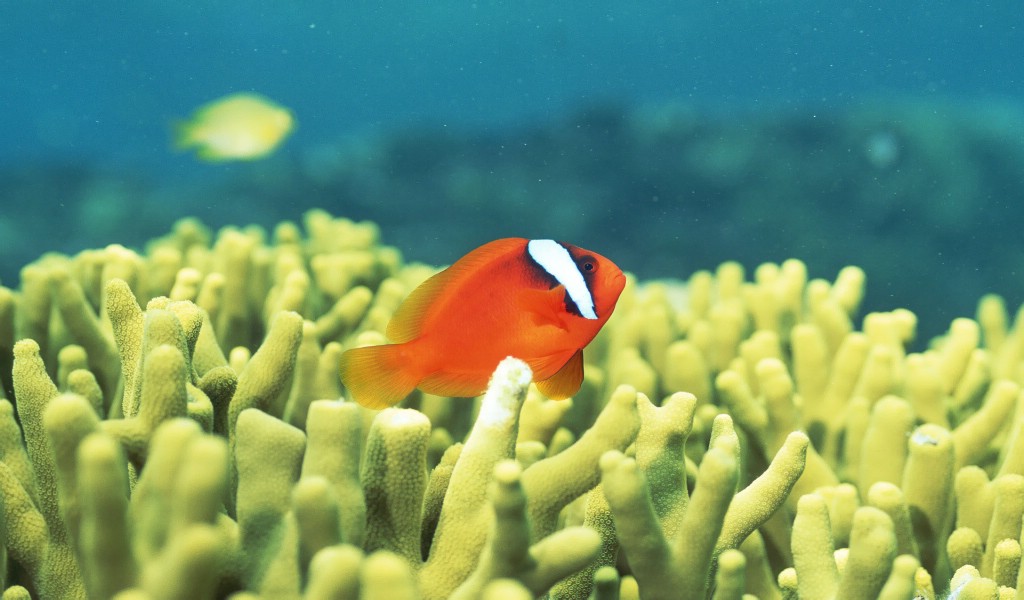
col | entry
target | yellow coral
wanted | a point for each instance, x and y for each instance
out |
(185, 434)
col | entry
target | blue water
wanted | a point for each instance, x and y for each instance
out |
(90, 89)
(101, 81)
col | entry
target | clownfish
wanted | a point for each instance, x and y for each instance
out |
(540, 301)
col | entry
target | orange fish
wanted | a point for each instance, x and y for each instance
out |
(540, 301)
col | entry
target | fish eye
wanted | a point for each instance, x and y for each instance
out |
(588, 264)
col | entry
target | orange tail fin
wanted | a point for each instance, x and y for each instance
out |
(377, 376)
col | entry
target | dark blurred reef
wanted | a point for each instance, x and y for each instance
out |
(927, 198)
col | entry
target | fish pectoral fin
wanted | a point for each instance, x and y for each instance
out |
(546, 306)
(566, 381)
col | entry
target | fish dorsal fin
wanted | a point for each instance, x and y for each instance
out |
(408, 319)
(566, 381)
(431, 295)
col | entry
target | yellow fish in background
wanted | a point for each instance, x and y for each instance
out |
(241, 126)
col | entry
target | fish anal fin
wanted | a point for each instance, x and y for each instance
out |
(377, 376)
(566, 381)
(454, 385)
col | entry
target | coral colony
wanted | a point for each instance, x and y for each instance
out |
(175, 427)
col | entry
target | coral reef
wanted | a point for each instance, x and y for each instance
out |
(173, 426)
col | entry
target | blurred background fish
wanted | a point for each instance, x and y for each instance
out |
(242, 126)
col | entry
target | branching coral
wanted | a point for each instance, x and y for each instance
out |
(174, 427)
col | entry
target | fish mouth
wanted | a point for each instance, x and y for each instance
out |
(618, 282)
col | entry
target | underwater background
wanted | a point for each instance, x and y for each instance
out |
(668, 136)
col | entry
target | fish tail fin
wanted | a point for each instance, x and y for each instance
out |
(181, 135)
(378, 376)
